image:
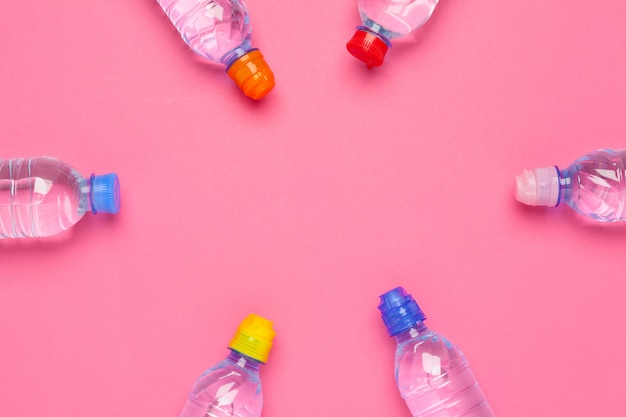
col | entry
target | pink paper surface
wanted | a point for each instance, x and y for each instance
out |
(340, 185)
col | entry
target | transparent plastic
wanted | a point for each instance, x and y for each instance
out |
(43, 196)
(434, 377)
(218, 30)
(231, 388)
(595, 185)
(395, 18)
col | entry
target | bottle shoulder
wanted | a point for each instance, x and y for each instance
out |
(227, 389)
(426, 360)
(228, 371)
(595, 184)
(428, 341)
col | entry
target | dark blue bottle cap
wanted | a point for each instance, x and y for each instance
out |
(399, 310)
(105, 193)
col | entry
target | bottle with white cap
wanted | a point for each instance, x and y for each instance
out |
(594, 185)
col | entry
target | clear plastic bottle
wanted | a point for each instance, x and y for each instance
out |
(220, 31)
(594, 185)
(43, 196)
(384, 20)
(232, 387)
(432, 374)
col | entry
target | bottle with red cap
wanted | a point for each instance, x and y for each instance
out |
(384, 20)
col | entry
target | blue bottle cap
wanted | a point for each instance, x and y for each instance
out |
(399, 310)
(105, 193)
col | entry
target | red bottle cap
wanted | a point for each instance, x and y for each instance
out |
(368, 48)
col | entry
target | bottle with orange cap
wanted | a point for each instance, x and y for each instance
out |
(220, 31)
(232, 387)
(384, 20)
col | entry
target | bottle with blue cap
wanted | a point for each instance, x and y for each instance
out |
(432, 374)
(232, 387)
(43, 196)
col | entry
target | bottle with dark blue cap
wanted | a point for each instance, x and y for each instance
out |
(44, 196)
(432, 374)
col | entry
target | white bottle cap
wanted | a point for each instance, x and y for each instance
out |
(538, 187)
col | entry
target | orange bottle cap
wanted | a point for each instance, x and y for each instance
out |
(252, 75)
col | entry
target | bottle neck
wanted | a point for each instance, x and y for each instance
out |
(377, 30)
(87, 195)
(565, 186)
(84, 197)
(411, 333)
(230, 57)
(244, 361)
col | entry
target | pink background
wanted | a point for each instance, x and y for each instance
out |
(304, 207)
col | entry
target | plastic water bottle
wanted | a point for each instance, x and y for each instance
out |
(384, 20)
(43, 196)
(232, 387)
(432, 374)
(594, 185)
(220, 31)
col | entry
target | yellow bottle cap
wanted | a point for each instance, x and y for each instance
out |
(252, 75)
(254, 338)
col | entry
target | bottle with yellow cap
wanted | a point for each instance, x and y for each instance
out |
(220, 31)
(232, 387)
(384, 20)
